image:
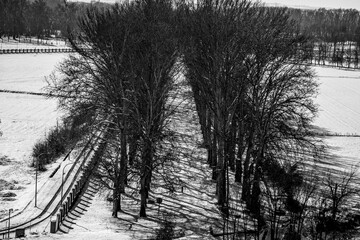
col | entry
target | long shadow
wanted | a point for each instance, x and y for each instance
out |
(91, 191)
(134, 223)
(90, 194)
(62, 231)
(80, 213)
(135, 216)
(82, 209)
(72, 218)
(194, 219)
(83, 204)
(83, 200)
(66, 225)
(87, 198)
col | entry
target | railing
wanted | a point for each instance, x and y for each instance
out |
(71, 194)
(36, 50)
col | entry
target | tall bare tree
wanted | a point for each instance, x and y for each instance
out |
(124, 70)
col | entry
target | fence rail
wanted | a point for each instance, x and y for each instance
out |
(71, 193)
(36, 50)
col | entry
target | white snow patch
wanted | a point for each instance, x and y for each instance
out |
(338, 99)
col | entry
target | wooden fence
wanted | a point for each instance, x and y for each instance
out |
(36, 50)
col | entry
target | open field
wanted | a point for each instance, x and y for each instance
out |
(30, 43)
(24, 120)
(339, 114)
(338, 100)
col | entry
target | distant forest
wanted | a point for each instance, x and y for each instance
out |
(42, 18)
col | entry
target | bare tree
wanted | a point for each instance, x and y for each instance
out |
(152, 67)
(213, 51)
(338, 189)
(125, 70)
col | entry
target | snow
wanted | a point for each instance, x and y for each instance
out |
(27, 72)
(24, 119)
(338, 100)
(339, 113)
(27, 118)
(192, 209)
(26, 44)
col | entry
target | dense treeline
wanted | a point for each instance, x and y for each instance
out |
(38, 18)
(332, 25)
(125, 76)
(335, 34)
(253, 94)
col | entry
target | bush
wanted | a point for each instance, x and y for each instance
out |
(8, 194)
(4, 160)
(58, 141)
(166, 231)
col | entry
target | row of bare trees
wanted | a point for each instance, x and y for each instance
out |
(124, 70)
(252, 91)
(335, 35)
(38, 18)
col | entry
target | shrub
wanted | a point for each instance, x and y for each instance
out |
(8, 194)
(58, 141)
(166, 231)
(4, 160)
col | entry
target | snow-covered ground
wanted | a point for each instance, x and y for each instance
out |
(338, 100)
(26, 118)
(30, 43)
(339, 112)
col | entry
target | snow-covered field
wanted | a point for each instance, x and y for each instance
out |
(24, 119)
(339, 100)
(27, 44)
(339, 112)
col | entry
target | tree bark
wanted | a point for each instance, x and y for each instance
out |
(246, 178)
(214, 153)
(132, 150)
(230, 146)
(123, 161)
(240, 151)
(145, 180)
(116, 200)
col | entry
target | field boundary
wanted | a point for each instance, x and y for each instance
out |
(36, 50)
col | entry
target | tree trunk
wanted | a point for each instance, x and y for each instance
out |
(132, 150)
(143, 193)
(116, 200)
(246, 178)
(214, 153)
(207, 137)
(240, 151)
(221, 178)
(220, 131)
(145, 180)
(230, 146)
(123, 161)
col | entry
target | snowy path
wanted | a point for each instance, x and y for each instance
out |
(193, 209)
(50, 191)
